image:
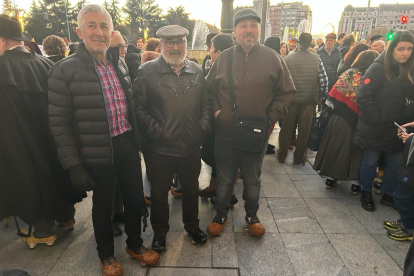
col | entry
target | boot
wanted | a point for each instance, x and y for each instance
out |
(33, 242)
(68, 225)
(158, 244)
(387, 200)
(255, 227)
(197, 235)
(111, 267)
(144, 255)
(367, 202)
(216, 226)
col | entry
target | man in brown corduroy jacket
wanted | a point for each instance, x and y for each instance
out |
(262, 86)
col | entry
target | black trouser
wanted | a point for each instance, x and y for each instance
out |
(126, 169)
(161, 169)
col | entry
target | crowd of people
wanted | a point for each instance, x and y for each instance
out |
(81, 121)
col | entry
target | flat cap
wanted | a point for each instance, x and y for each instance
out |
(375, 37)
(245, 14)
(172, 31)
(331, 35)
(293, 41)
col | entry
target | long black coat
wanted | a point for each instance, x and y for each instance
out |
(32, 180)
(382, 102)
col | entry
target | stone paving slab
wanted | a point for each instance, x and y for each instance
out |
(309, 231)
(362, 255)
(265, 256)
(312, 254)
(158, 271)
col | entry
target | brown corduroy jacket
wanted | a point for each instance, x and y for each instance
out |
(262, 86)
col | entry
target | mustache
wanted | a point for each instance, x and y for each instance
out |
(175, 52)
(248, 35)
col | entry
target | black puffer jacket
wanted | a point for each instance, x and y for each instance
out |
(133, 60)
(77, 113)
(174, 111)
(330, 63)
(382, 102)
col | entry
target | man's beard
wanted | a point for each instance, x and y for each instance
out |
(176, 60)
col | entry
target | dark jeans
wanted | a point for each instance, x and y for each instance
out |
(404, 203)
(161, 169)
(228, 160)
(126, 170)
(369, 167)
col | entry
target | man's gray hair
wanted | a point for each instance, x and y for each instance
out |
(93, 8)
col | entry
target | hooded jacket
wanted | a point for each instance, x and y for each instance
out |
(382, 102)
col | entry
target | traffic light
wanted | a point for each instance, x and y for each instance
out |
(403, 19)
(390, 35)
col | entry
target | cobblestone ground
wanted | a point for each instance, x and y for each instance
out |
(309, 231)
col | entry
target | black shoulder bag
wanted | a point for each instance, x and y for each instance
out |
(249, 131)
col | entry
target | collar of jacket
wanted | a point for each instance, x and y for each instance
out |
(165, 68)
(335, 49)
(254, 49)
(87, 58)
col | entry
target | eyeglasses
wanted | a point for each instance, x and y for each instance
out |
(170, 43)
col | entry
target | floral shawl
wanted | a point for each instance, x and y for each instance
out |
(346, 88)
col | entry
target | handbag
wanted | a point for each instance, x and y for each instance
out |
(318, 128)
(249, 131)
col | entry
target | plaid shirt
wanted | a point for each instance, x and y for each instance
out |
(323, 81)
(115, 100)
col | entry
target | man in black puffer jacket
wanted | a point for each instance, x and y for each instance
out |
(92, 119)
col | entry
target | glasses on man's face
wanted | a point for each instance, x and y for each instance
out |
(170, 43)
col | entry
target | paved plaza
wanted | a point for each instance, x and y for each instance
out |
(309, 231)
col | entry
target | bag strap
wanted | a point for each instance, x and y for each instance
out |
(230, 80)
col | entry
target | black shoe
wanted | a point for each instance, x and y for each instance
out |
(270, 150)
(330, 183)
(198, 236)
(158, 244)
(233, 201)
(271, 146)
(212, 200)
(367, 202)
(116, 230)
(355, 189)
(205, 194)
(387, 200)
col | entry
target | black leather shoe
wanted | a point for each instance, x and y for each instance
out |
(233, 201)
(330, 183)
(116, 230)
(158, 244)
(367, 202)
(204, 193)
(355, 189)
(387, 200)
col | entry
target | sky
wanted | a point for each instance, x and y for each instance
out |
(324, 11)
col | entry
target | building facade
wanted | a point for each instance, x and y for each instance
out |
(387, 17)
(289, 15)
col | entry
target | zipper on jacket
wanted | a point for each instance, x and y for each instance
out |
(247, 55)
(173, 89)
(185, 121)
